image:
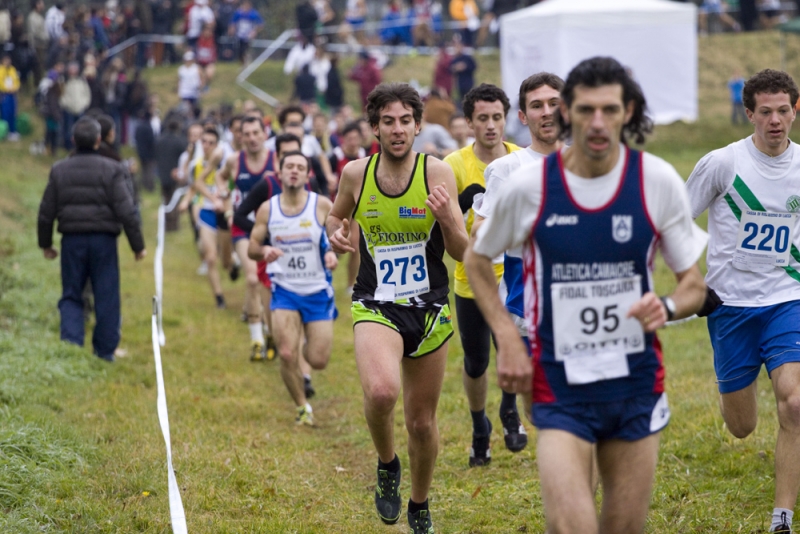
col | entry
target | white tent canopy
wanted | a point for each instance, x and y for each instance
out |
(656, 39)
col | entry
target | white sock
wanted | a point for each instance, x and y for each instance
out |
(308, 408)
(256, 332)
(778, 518)
(307, 377)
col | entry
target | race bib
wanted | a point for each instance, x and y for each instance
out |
(297, 262)
(764, 240)
(401, 270)
(592, 334)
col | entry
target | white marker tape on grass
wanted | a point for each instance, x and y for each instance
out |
(158, 264)
(176, 513)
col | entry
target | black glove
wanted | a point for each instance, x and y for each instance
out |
(466, 196)
(711, 303)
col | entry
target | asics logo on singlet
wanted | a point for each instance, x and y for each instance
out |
(561, 220)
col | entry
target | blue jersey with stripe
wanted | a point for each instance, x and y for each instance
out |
(572, 244)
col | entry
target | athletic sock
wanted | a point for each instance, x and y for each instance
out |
(779, 515)
(393, 466)
(307, 377)
(256, 332)
(509, 402)
(480, 425)
(308, 408)
(220, 300)
(413, 507)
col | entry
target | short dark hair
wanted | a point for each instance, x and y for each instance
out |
(290, 109)
(599, 71)
(85, 133)
(286, 138)
(211, 131)
(532, 83)
(235, 118)
(769, 81)
(106, 125)
(389, 93)
(454, 116)
(251, 119)
(352, 126)
(486, 92)
(294, 153)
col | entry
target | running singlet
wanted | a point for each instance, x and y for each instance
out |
(303, 242)
(593, 265)
(401, 244)
(245, 180)
(210, 183)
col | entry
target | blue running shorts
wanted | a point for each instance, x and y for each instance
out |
(315, 307)
(208, 218)
(628, 420)
(745, 338)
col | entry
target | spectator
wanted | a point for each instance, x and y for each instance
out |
(736, 87)
(99, 30)
(460, 130)
(770, 13)
(320, 130)
(350, 149)
(466, 12)
(423, 29)
(306, 19)
(223, 12)
(97, 99)
(247, 23)
(355, 16)
(718, 10)
(135, 104)
(439, 109)
(54, 22)
(50, 90)
(75, 99)
(146, 150)
(163, 22)
(107, 143)
(463, 67)
(325, 14)
(433, 139)
(87, 194)
(115, 89)
(189, 80)
(302, 53)
(38, 38)
(143, 11)
(442, 77)
(206, 55)
(23, 57)
(366, 74)
(395, 25)
(169, 148)
(9, 78)
(491, 19)
(5, 26)
(319, 68)
(334, 92)
(198, 16)
(305, 86)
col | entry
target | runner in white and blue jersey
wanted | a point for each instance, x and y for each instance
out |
(299, 262)
(590, 218)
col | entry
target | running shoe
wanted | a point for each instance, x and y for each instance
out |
(784, 527)
(420, 522)
(202, 270)
(257, 351)
(272, 350)
(513, 432)
(309, 389)
(481, 452)
(387, 496)
(234, 272)
(304, 416)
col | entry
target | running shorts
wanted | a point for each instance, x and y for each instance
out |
(315, 307)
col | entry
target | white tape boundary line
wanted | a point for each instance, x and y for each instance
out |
(158, 265)
(176, 512)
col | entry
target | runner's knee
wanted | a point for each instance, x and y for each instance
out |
(475, 365)
(789, 412)
(420, 427)
(381, 398)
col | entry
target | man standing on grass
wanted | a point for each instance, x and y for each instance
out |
(589, 217)
(299, 263)
(750, 189)
(405, 204)
(87, 194)
(485, 108)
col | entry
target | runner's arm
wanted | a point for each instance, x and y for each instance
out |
(349, 185)
(258, 195)
(256, 250)
(688, 297)
(443, 201)
(200, 181)
(224, 175)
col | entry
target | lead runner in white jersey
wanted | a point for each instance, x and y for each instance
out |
(751, 189)
(299, 263)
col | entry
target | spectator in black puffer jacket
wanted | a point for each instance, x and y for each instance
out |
(87, 194)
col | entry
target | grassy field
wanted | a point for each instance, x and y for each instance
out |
(80, 446)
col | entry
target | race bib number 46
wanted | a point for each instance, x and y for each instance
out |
(764, 240)
(592, 334)
(402, 271)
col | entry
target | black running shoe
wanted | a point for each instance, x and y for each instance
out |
(784, 527)
(234, 272)
(513, 432)
(420, 522)
(387, 496)
(309, 389)
(481, 452)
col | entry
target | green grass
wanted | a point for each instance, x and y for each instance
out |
(81, 449)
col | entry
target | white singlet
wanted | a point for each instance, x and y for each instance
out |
(753, 261)
(303, 242)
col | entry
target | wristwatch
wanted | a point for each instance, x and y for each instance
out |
(669, 305)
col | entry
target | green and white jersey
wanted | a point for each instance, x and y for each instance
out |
(753, 203)
(401, 243)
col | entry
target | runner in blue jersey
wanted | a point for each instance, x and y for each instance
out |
(590, 218)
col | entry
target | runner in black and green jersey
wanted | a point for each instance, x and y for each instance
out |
(406, 205)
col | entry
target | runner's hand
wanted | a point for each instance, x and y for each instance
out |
(219, 205)
(340, 240)
(439, 203)
(331, 260)
(514, 368)
(649, 311)
(184, 205)
(271, 253)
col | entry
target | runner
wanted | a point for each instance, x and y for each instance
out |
(406, 204)
(750, 190)
(485, 108)
(247, 167)
(589, 305)
(300, 261)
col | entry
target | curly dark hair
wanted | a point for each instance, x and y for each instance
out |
(599, 71)
(532, 83)
(389, 93)
(769, 81)
(290, 109)
(487, 93)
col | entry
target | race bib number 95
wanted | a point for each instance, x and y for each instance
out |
(764, 240)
